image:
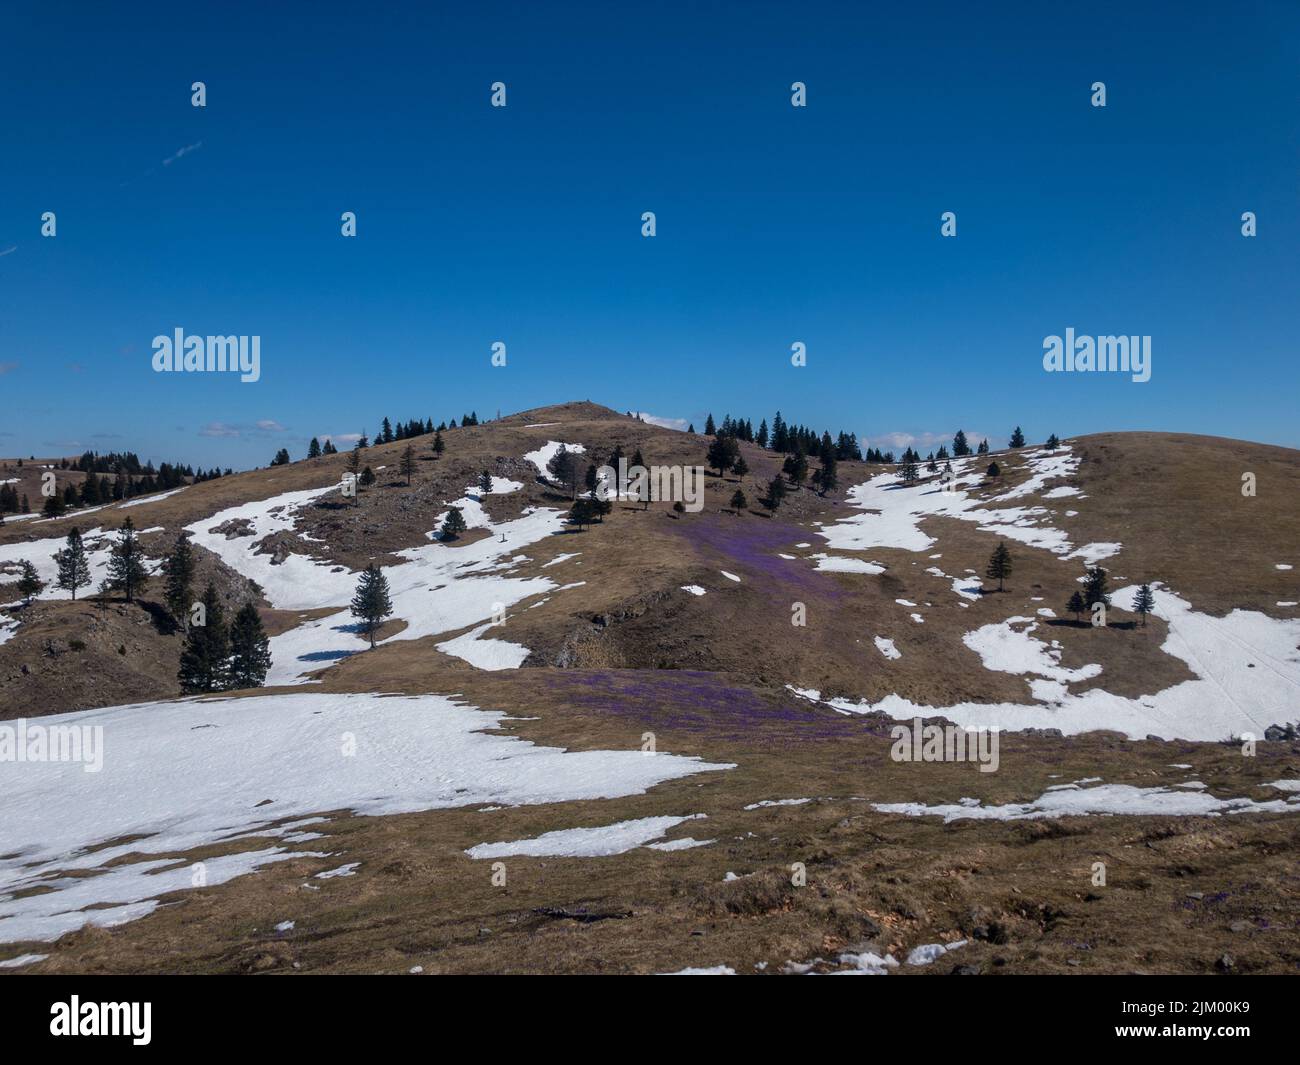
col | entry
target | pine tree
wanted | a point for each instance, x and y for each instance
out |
(583, 512)
(1017, 437)
(1144, 602)
(1053, 442)
(1076, 605)
(281, 457)
(828, 475)
(983, 449)
(73, 566)
(738, 500)
(909, 472)
(126, 562)
(354, 471)
(30, 584)
(722, 453)
(207, 647)
(250, 650)
(438, 445)
(367, 477)
(709, 428)
(564, 468)
(960, 447)
(999, 567)
(994, 470)
(775, 494)
(485, 483)
(371, 603)
(740, 467)
(54, 506)
(179, 569)
(453, 524)
(329, 448)
(385, 433)
(313, 449)
(408, 463)
(1094, 588)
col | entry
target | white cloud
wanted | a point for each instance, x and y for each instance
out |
(925, 440)
(218, 429)
(270, 425)
(679, 424)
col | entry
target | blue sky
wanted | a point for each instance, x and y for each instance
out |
(523, 224)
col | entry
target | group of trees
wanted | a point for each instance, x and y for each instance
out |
(1095, 588)
(784, 438)
(96, 490)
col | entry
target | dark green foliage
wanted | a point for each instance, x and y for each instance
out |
(204, 666)
(250, 650)
(371, 604)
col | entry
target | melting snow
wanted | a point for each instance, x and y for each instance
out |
(598, 842)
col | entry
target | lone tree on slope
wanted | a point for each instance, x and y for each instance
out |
(250, 650)
(126, 562)
(371, 603)
(1077, 606)
(583, 512)
(73, 567)
(739, 501)
(1000, 565)
(485, 483)
(1144, 602)
(30, 584)
(453, 524)
(408, 463)
(1017, 437)
(723, 453)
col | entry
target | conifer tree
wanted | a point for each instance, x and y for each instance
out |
(126, 562)
(1144, 602)
(354, 470)
(204, 658)
(329, 448)
(371, 603)
(960, 447)
(54, 506)
(738, 500)
(73, 566)
(994, 470)
(385, 433)
(30, 584)
(564, 468)
(775, 494)
(313, 449)
(1077, 605)
(367, 477)
(485, 483)
(1017, 437)
(582, 513)
(722, 453)
(179, 570)
(1053, 442)
(453, 524)
(408, 463)
(983, 449)
(438, 445)
(1094, 588)
(740, 467)
(1000, 565)
(250, 650)
(709, 428)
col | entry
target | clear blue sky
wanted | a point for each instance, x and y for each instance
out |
(522, 224)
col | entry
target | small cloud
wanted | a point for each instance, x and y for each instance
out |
(61, 444)
(270, 425)
(182, 152)
(8, 251)
(218, 429)
(679, 424)
(922, 441)
(339, 438)
(7, 367)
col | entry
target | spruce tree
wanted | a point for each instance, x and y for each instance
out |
(313, 449)
(329, 448)
(354, 471)
(1000, 565)
(960, 447)
(250, 650)
(1077, 605)
(179, 570)
(775, 494)
(438, 446)
(453, 524)
(1094, 588)
(709, 428)
(204, 658)
(1053, 442)
(583, 512)
(30, 584)
(740, 467)
(485, 483)
(126, 562)
(73, 566)
(371, 603)
(1017, 437)
(738, 500)
(408, 463)
(722, 453)
(1144, 602)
